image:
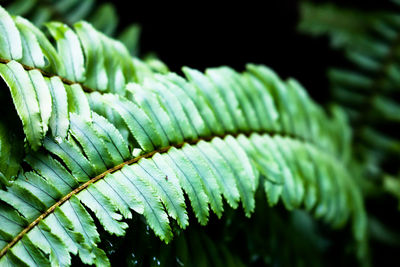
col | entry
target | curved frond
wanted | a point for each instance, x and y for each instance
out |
(368, 89)
(84, 59)
(140, 141)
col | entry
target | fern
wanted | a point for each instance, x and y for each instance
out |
(106, 135)
(370, 41)
(103, 17)
(367, 87)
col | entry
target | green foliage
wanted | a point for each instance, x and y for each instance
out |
(10, 154)
(108, 136)
(103, 17)
(368, 89)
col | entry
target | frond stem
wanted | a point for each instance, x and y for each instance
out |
(116, 168)
(49, 75)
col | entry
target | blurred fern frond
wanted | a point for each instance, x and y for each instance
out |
(368, 87)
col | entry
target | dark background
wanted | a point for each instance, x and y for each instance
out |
(202, 34)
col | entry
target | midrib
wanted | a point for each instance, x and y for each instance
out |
(50, 75)
(129, 162)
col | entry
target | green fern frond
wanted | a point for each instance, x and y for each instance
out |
(103, 17)
(368, 89)
(126, 139)
(146, 183)
(85, 59)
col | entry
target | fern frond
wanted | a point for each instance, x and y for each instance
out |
(369, 88)
(112, 185)
(103, 17)
(142, 186)
(85, 59)
(139, 141)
